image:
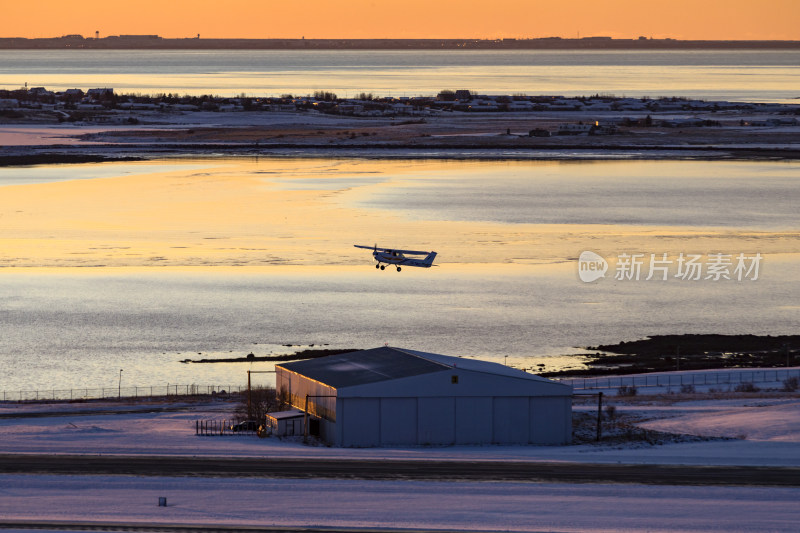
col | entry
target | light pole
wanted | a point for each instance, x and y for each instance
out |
(119, 387)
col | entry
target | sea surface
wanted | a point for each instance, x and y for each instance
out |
(733, 75)
(75, 328)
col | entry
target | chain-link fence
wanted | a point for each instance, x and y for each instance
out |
(679, 379)
(112, 393)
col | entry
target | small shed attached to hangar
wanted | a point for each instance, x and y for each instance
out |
(390, 396)
(286, 423)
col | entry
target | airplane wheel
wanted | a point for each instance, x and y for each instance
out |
(398, 269)
(382, 267)
(376, 266)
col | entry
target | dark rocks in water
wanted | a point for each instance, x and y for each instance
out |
(59, 158)
(700, 343)
(661, 353)
(297, 356)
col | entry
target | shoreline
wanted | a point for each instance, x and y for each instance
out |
(648, 354)
(597, 128)
(77, 42)
(71, 154)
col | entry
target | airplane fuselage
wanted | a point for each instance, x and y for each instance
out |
(398, 258)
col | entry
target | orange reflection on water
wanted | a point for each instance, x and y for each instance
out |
(291, 213)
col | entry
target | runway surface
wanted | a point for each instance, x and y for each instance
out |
(399, 470)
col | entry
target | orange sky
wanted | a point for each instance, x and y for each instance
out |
(681, 19)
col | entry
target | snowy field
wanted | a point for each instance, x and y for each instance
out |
(761, 429)
(445, 506)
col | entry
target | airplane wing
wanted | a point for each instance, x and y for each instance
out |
(409, 252)
(379, 249)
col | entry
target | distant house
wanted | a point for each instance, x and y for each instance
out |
(73, 95)
(9, 103)
(574, 129)
(350, 108)
(39, 91)
(100, 93)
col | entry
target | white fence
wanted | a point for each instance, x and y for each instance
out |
(121, 393)
(677, 379)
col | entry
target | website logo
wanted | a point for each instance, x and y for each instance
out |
(663, 266)
(591, 267)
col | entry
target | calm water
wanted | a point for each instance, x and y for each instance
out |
(740, 75)
(77, 330)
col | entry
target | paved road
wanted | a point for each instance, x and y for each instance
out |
(399, 470)
(188, 528)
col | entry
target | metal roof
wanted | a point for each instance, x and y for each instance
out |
(365, 366)
(280, 415)
(476, 365)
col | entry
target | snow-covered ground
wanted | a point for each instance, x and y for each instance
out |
(444, 506)
(762, 430)
(758, 428)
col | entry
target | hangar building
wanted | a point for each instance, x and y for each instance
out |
(391, 396)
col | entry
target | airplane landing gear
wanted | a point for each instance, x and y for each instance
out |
(398, 269)
(377, 266)
(383, 267)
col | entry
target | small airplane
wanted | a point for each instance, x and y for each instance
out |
(398, 258)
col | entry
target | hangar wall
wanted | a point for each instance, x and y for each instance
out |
(293, 388)
(367, 422)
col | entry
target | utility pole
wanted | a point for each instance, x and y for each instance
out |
(119, 386)
(599, 414)
(598, 431)
(249, 395)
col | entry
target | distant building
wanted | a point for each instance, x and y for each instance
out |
(390, 396)
(140, 37)
(100, 93)
(539, 132)
(72, 95)
(574, 129)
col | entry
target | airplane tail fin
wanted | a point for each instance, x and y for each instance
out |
(428, 261)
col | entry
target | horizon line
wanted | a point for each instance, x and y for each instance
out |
(487, 39)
